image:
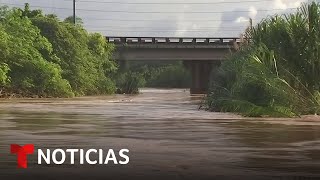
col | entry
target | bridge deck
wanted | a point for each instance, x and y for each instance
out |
(187, 49)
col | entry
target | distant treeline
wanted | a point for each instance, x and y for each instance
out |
(162, 74)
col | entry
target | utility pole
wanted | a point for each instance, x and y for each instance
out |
(74, 11)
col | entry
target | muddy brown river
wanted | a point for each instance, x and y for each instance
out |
(168, 138)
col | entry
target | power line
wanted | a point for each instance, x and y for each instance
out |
(164, 31)
(242, 27)
(137, 20)
(154, 12)
(173, 3)
(204, 28)
(168, 20)
(161, 20)
(174, 12)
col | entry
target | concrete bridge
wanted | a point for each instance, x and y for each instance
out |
(200, 55)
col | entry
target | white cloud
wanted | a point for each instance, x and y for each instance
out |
(253, 12)
(285, 4)
(242, 19)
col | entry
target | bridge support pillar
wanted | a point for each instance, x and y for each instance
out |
(200, 72)
(123, 65)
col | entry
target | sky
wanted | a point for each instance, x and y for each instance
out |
(164, 18)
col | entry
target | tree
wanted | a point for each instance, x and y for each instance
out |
(70, 20)
(85, 58)
(41, 55)
(23, 62)
(30, 13)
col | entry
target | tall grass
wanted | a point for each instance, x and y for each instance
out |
(275, 73)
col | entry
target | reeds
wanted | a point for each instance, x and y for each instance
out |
(277, 73)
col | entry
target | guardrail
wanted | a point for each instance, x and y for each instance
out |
(163, 40)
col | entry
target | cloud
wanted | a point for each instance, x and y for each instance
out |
(252, 12)
(242, 19)
(240, 16)
(285, 4)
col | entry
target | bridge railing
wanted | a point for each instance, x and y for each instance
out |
(154, 40)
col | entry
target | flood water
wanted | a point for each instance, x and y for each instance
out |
(168, 138)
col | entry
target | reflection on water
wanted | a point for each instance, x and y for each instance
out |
(166, 135)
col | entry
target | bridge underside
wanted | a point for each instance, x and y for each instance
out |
(200, 73)
(199, 59)
(167, 54)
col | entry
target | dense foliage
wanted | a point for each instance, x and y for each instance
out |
(41, 55)
(169, 76)
(162, 74)
(276, 72)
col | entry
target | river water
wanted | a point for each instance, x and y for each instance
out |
(168, 138)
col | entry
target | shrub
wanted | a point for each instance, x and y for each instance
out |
(130, 82)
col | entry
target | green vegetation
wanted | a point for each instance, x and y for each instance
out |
(162, 74)
(276, 72)
(41, 55)
(170, 76)
(129, 82)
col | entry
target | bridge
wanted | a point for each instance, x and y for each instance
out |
(200, 55)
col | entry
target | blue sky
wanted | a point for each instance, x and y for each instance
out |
(183, 18)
